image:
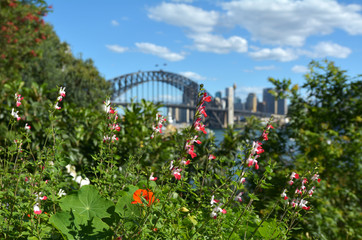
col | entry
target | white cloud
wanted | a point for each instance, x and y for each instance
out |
(277, 54)
(116, 48)
(193, 76)
(300, 69)
(206, 42)
(243, 92)
(263, 68)
(186, 1)
(114, 23)
(290, 22)
(162, 52)
(329, 49)
(182, 15)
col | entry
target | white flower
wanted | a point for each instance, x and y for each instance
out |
(61, 193)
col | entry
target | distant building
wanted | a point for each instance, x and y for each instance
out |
(218, 94)
(261, 107)
(271, 105)
(282, 107)
(251, 102)
(237, 103)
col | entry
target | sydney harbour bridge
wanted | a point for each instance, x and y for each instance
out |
(178, 94)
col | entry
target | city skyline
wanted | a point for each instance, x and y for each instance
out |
(217, 43)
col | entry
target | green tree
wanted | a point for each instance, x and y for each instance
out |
(22, 29)
(325, 123)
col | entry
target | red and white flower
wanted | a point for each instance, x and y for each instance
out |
(284, 195)
(238, 197)
(37, 209)
(316, 177)
(18, 98)
(15, 114)
(57, 106)
(152, 178)
(62, 91)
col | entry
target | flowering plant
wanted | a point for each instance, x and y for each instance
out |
(194, 193)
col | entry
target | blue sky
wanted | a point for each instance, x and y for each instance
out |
(217, 43)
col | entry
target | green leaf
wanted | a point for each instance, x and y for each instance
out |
(87, 202)
(63, 222)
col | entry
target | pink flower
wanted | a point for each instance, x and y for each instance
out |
(290, 182)
(60, 98)
(211, 157)
(152, 178)
(269, 126)
(37, 209)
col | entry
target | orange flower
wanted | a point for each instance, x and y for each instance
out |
(148, 195)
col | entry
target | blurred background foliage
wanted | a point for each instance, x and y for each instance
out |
(324, 127)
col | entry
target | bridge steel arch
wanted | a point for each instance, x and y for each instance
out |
(125, 82)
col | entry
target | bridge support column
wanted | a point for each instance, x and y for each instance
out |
(187, 115)
(177, 115)
(230, 104)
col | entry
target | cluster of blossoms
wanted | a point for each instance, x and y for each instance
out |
(302, 191)
(112, 115)
(158, 127)
(15, 114)
(257, 149)
(216, 209)
(176, 172)
(36, 207)
(198, 126)
(189, 145)
(60, 97)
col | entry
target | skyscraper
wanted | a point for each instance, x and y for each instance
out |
(251, 102)
(271, 105)
(282, 107)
